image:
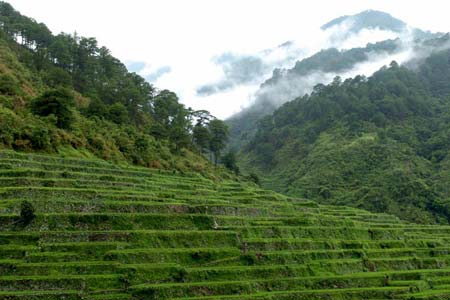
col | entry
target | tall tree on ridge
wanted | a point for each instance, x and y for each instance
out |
(219, 136)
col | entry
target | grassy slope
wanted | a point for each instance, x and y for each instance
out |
(358, 171)
(104, 231)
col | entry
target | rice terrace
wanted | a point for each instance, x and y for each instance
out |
(331, 183)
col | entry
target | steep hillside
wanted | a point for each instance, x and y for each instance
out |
(89, 229)
(378, 143)
(65, 94)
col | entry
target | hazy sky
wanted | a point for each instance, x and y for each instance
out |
(178, 39)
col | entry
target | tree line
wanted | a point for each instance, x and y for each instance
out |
(68, 63)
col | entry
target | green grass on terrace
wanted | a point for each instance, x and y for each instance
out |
(105, 231)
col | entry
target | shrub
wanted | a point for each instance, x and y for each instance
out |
(10, 126)
(254, 178)
(8, 85)
(229, 160)
(40, 138)
(118, 113)
(26, 212)
(180, 275)
(58, 102)
(96, 108)
(56, 77)
(6, 101)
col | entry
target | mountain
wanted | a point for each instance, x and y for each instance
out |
(377, 143)
(369, 19)
(287, 84)
(321, 67)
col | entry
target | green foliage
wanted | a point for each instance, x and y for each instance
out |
(435, 73)
(97, 108)
(333, 60)
(8, 85)
(56, 77)
(229, 160)
(27, 214)
(24, 133)
(118, 113)
(200, 132)
(254, 178)
(201, 136)
(64, 93)
(172, 118)
(219, 136)
(60, 103)
(373, 143)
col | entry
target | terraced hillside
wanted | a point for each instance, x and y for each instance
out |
(107, 232)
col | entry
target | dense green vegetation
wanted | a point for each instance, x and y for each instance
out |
(89, 229)
(287, 84)
(93, 221)
(66, 94)
(379, 143)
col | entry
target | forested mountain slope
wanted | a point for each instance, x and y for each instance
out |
(337, 60)
(65, 94)
(285, 85)
(379, 143)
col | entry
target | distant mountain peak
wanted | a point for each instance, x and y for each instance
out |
(368, 19)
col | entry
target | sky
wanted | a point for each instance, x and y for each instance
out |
(186, 45)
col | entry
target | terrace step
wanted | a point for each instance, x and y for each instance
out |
(268, 244)
(93, 167)
(321, 232)
(300, 256)
(112, 296)
(185, 256)
(138, 238)
(118, 221)
(242, 287)
(342, 294)
(154, 195)
(438, 293)
(58, 282)
(41, 295)
(12, 206)
(55, 257)
(22, 268)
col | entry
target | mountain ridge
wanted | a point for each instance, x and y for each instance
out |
(326, 63)
(368, 19)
